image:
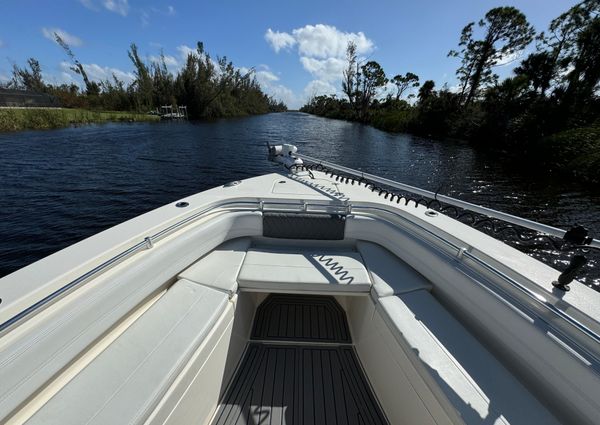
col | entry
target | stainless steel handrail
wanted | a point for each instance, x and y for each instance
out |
(111, 262)
(234, 205)
(513, 219)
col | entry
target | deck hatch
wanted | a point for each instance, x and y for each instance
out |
(303, 318)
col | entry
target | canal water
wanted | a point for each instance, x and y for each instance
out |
(58, 187)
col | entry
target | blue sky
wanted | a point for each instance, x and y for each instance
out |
(296, 47)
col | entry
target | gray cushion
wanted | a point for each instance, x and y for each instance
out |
(319, 270)
(220, 267)
(391, 276)
(124, 383)
(476, 383)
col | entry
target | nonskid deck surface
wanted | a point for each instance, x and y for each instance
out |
(302, 371)
(301, 318)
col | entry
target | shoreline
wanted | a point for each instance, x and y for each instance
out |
(35, 118)
(570, 154)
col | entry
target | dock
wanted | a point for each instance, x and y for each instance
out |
(172, 112)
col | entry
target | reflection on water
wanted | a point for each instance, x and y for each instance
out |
(60, 186)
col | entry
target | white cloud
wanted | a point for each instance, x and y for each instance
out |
(455, 88)
(63, 77)
(170, 61)
(70, 39)
(170, 10)
(97, 73)
(508, 59)
(283, 94)
(390, 88)
(329, 69)
(280, 93)
(323, 41)
(317, 88)
(322, 52)
(265, 76)
(319, 41)
(269, 83)
(243, 70)
(185, 51)
(118, 6)
(279, 40)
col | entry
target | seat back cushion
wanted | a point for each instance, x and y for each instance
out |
(317, 270)
(219, 269)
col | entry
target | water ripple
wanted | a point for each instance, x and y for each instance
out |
(58, 187)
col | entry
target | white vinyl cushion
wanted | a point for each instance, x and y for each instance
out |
(219, 269)
(391, 276)
(318, 270)
(123, 384)
(474, 381)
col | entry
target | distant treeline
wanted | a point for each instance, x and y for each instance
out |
(547, 111)
(209, 88)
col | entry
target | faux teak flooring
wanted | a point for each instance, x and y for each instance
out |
(299, 368)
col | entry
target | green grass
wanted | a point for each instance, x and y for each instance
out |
(16, 119)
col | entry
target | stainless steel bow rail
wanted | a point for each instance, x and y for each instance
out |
(509, 218)
(576, 237)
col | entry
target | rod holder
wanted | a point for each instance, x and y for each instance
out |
(577, 235)
(569, 274)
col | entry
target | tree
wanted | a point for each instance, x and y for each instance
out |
(403, 82)
(349, 82)
(539, 69)
(113, 94)
(29, 79)
(559, 42)
(506, 33)
(209, 88)
(426, 90)
(91, 87)
(162, 82)
(584, 78)
(372, 78)
(143, 86)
